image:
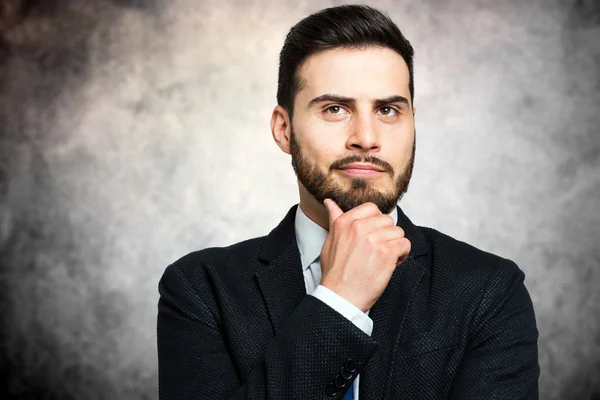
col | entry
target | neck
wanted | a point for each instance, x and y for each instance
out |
(314, 210)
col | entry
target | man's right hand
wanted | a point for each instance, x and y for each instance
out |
(361, 252)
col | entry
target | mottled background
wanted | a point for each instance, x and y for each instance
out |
(133, 132)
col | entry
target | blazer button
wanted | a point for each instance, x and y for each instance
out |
(345, 374)
(350, 365)
(340, 382)
(332, 390)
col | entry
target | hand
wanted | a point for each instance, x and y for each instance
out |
(361, 252)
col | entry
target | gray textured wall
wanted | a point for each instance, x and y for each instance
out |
(133, 132)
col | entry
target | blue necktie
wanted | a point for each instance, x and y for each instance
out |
(350, 393)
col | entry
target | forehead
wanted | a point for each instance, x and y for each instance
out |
(370, 73)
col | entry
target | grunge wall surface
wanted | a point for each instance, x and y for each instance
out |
(133, 132)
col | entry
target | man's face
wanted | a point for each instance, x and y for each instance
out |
(351, 109)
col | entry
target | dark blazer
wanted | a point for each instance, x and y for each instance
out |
(454, 322)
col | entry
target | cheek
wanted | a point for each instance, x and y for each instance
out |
(318, 147)
(322, 142)
(401, 151)
(319, 156)
(401, 138)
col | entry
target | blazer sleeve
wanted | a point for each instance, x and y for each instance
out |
(501, 361)
(300, 362)
(354, 314)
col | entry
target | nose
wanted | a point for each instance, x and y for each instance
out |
(364, 134)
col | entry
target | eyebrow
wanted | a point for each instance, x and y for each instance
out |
(342, 99)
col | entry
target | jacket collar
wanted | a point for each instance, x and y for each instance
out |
(310, 236)
(281, 282)
(283, 236)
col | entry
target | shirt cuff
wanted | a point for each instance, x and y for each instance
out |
(344, 307)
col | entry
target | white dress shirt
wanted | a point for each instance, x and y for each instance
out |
(311, 237)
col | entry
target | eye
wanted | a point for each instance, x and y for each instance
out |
(387, 111)
(335, 110)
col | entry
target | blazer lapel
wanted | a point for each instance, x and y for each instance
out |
(282, 281)
(389, 311)
(282, 285)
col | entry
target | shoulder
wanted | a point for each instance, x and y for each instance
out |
(471, 284)
(225, 259)
(457, 261)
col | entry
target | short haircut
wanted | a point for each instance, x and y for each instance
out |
(348, 26)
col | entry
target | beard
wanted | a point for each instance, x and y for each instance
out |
(322, 186)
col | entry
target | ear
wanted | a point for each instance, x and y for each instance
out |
(280, 128)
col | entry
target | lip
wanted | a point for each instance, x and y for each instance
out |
(362, 170)
(362, 167)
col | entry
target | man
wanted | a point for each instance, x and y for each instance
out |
(394, 310)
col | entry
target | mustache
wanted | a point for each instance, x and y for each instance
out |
(358, 159)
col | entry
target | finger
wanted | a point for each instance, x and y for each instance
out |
(364, 210)
(368, 225)
(387, 234)
(401, 246)
(333, 210)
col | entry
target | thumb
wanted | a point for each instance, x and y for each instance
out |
(333, 210)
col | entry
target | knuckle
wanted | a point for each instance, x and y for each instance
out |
(383, 250)
(337, 224)
(358, 225)
(404, 246)
(370, 238)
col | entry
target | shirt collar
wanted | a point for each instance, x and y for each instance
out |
(310, 236)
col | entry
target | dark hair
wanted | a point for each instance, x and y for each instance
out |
(351, 26)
